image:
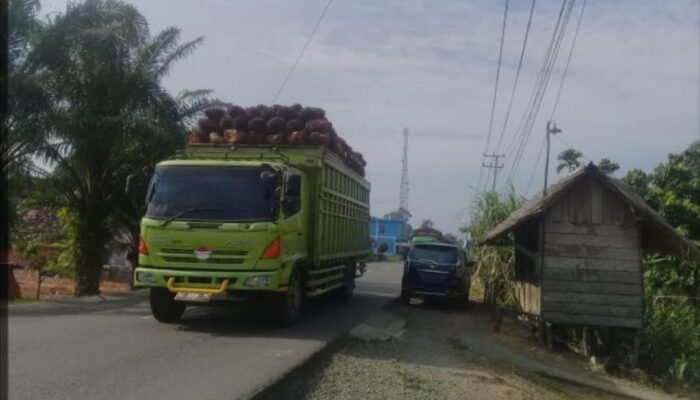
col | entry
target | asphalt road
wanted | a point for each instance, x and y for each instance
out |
(113, 349)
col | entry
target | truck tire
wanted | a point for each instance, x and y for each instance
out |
(290, 304)
(164, 307)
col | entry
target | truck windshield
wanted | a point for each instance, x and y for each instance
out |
(436, 254)
(217, 193)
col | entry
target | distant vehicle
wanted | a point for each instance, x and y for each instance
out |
(258, 223)
(436, 270)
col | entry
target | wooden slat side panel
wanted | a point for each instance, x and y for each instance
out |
(593, 263)
(592, 240)
(591, 275)
(592, 229)
(592, 309)
(600, 299)
(597, 320)
(528, 296)
(632, 289)
(596, 252)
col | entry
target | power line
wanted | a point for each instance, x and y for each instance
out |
(537, 97)
(537, 163)
(517, 75)
(568, 60)
(303, 50)
(556, 101)
(498, 77)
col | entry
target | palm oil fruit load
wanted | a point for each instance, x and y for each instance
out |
(274, 125)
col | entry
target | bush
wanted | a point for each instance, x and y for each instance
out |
(494, 265)
(671, 340)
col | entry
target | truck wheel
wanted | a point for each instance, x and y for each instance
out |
(164, 307)
(291, 303)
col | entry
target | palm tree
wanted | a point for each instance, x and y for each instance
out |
(608, 167)
(109, 116)
(569, 159)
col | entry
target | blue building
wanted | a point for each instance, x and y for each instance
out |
(385, 231)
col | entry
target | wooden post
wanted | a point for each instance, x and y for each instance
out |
(38, 282)
(636, 347)
(587, 342)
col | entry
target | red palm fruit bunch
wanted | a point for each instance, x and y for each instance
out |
(274, 125)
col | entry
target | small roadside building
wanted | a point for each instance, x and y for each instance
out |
(579, 251)
(387, 231)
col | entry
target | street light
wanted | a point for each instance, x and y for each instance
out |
(551, 130)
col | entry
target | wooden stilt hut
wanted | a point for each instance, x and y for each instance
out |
(579, 251)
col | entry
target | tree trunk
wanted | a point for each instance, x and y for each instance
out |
(91, 250)
(133, 257)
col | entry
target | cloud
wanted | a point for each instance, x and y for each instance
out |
(631, 93)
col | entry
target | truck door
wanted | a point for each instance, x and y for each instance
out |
(292, 221)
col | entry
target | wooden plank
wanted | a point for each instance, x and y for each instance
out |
(593, 263)
(592, 320)
(592, 309)
(592, 229)
(592, 287)
(602, 299)
(581, 250)
(592, 240)
(590, 275)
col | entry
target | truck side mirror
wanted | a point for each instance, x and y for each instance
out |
(134, 183)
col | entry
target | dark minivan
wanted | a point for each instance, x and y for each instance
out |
(436, 270)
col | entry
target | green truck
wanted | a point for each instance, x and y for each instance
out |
(274, 225)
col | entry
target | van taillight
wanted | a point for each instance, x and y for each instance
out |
(143, 249)
(272, 250)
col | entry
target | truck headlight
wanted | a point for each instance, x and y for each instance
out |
(258, 281)
(146, 277)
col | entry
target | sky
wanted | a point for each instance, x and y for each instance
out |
(631, 92)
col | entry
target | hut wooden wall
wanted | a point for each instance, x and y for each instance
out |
(527, 272)
(592, 260)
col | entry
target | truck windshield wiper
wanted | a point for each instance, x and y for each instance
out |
(187, 211)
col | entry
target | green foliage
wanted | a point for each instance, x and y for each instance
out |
(494, 265)
(569, 159)
(608, 167)
(673, 189)
(88, 100)
(670, 342)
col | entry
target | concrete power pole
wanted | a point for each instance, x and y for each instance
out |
(403, 195)
(495, 165)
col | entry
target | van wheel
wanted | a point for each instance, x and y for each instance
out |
(290, 304)
(164, 307)
(405, 297)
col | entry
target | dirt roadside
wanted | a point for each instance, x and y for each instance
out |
(434, 352)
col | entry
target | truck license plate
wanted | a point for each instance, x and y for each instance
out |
(192, 296)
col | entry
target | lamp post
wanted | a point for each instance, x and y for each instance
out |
(551, 130)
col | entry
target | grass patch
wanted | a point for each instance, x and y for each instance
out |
(412, 380)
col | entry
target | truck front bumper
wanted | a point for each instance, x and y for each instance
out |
(265, 280)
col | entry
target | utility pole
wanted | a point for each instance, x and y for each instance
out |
(403, 194)
(551, 130)
(495, 165)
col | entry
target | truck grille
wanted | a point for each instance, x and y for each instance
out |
(220, 257)
(208, 261)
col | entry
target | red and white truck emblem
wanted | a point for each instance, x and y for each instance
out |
(202, 253)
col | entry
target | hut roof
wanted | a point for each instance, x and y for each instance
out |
(669, 239)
